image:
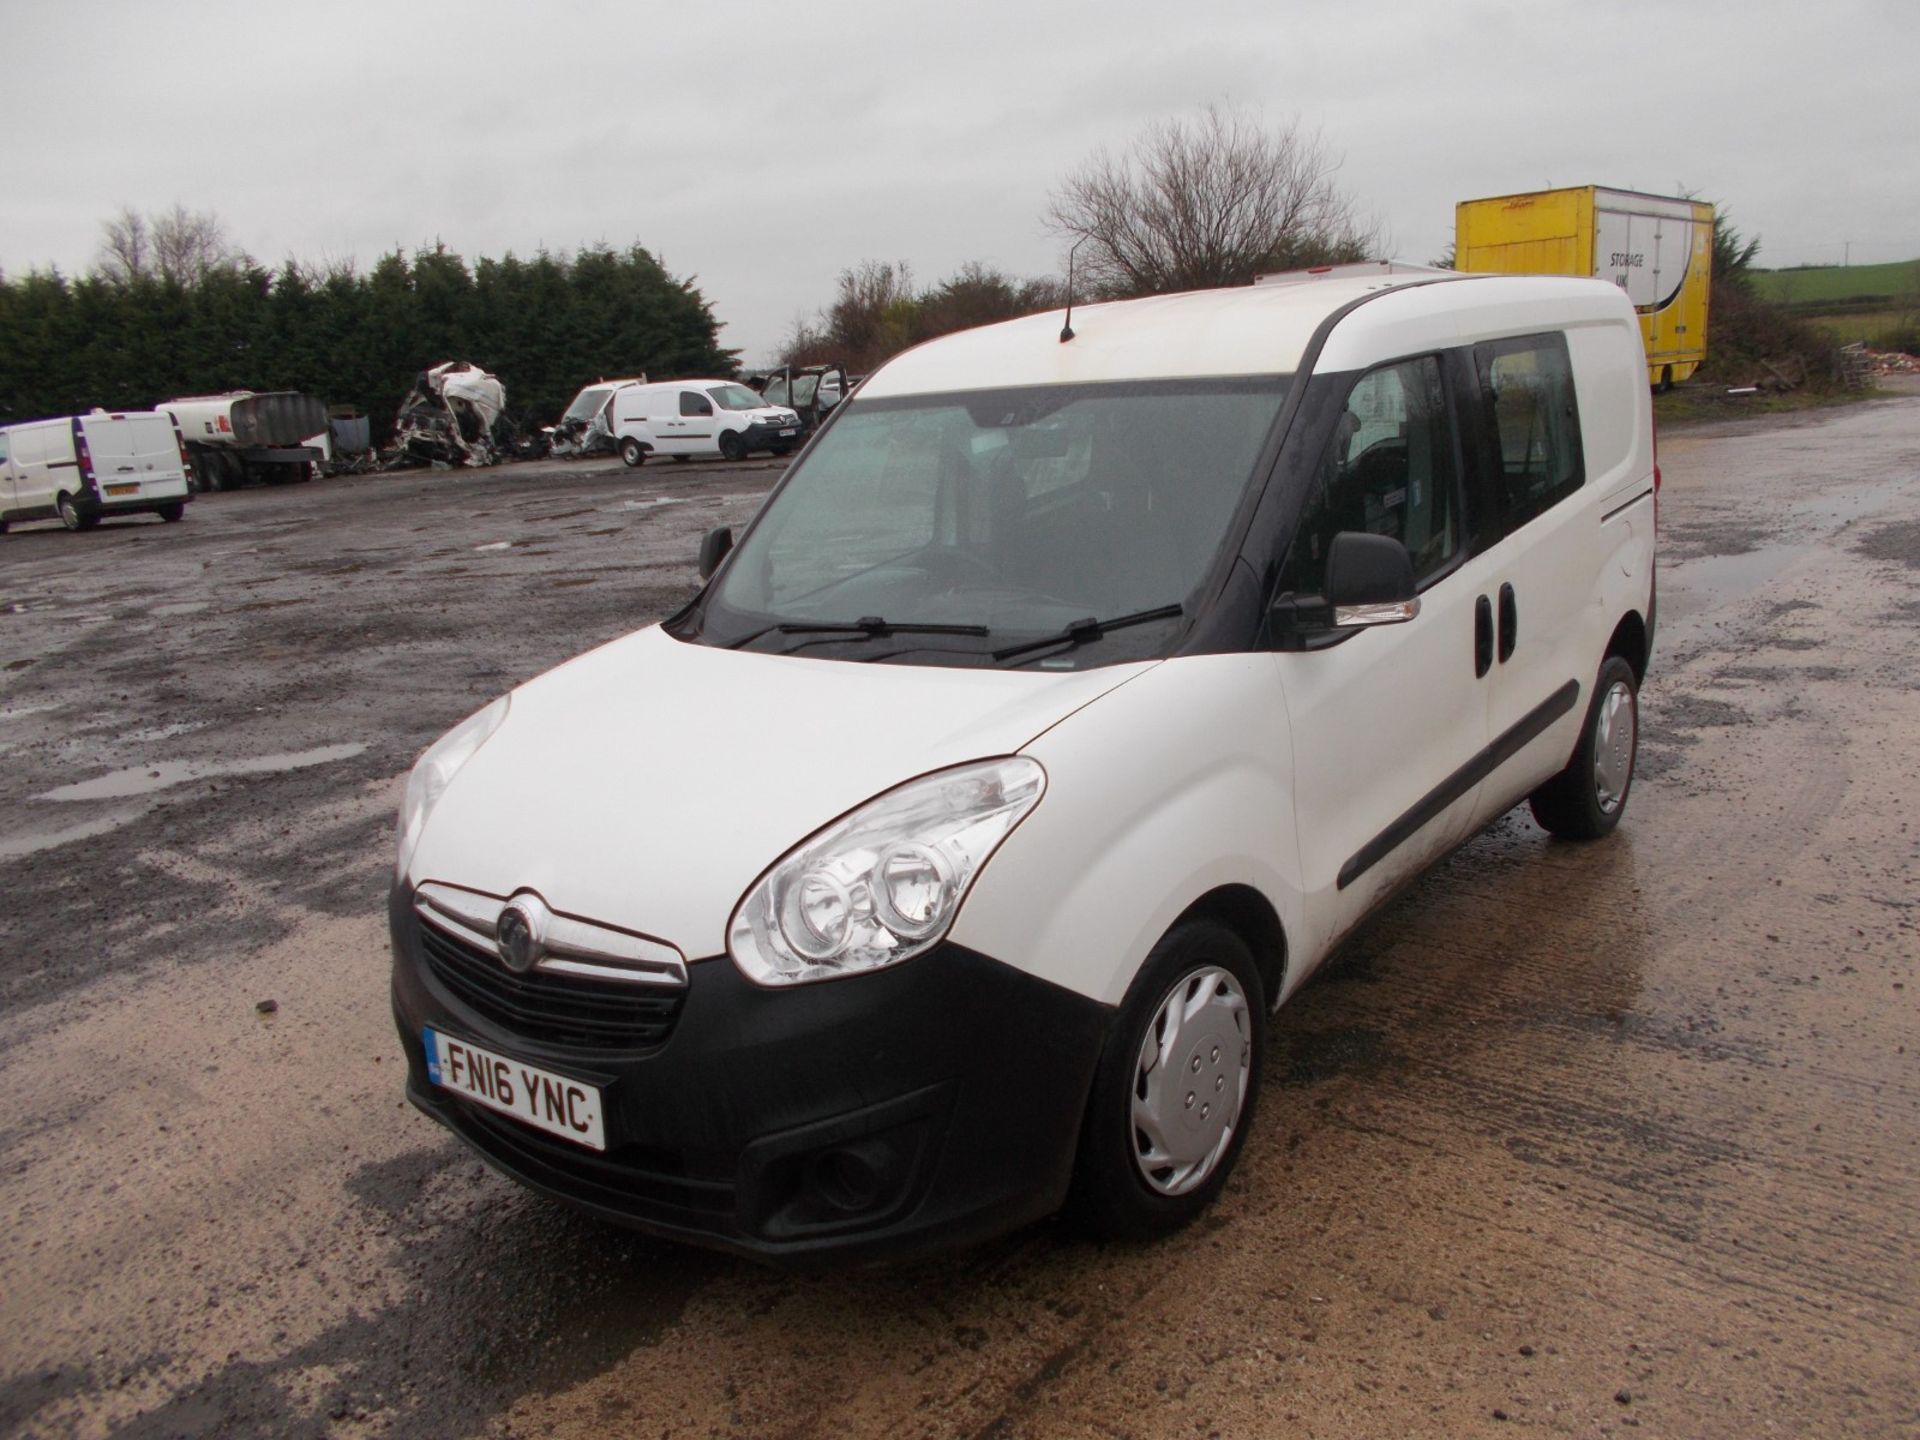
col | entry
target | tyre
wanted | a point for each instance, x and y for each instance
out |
(1174, 1092)
(1587, 799)
(71, 516)
(681, 459)
(172, 511)
(632, 453)
(731, 446)
(783, 449)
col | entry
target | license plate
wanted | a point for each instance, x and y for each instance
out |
(123, 489)
(788, 431)
(553, 1103)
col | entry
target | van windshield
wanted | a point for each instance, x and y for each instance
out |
(735, 397)
(586, 404)
(1022, 511)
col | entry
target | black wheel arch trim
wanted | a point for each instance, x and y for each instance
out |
(1527, 729)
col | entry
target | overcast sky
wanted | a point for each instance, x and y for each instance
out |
(762, 148)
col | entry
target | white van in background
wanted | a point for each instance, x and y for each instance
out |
(81, 469)
(683, 418)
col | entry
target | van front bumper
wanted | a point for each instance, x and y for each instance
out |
(914, 1108)
(766, 437)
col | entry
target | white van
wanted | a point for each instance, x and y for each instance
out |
(85, 468)
(1056, 716)
(684, 418)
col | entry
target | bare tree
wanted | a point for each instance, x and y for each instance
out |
(189, 243)
(1211, 201)
(126, 253)
(181, 245)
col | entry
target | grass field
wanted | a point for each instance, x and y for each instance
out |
(1880, 329)
(1831, 283)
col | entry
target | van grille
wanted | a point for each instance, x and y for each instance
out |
(558, 1009)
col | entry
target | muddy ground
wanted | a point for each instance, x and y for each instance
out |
(1589, 1140)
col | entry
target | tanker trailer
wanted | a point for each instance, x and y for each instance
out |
(275, 436)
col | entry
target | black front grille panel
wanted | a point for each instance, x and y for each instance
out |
(559, 1009)
(634, 1181)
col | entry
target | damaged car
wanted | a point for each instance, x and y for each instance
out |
(454, 415)
(587, 427)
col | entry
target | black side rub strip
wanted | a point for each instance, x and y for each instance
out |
(1531, 725)
(1626, 505)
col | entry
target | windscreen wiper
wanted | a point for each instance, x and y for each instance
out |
(1081, 631)
(867, 627)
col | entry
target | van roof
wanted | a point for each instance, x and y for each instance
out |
(1242, 330)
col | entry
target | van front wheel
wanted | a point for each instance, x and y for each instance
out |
(731, 447)
(1175, 1088)
(1587, 799)
(632, 453)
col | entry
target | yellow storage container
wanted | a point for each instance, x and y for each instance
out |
(1657, 248)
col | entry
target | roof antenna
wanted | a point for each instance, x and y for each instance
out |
(1066, 330)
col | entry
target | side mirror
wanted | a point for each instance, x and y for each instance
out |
(1370, 580)
(713, 549)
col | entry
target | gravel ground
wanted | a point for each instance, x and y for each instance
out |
(1589, 1139)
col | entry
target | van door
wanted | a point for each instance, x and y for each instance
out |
(1545, 565)
(1389, 723)
(43, 464)
(689, 428)
(6, 474)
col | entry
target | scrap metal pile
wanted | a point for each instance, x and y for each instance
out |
(454, 415)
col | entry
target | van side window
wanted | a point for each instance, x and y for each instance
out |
(3, 449)
(1532, 422)
(692, 402)
(1390, 468)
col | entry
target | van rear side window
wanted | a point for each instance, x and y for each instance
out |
(1533, 423)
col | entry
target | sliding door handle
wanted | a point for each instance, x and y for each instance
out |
(1482, 637)
(1509, 623)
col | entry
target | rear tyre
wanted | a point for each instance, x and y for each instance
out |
(731, 447)
(632, 453)
(1174, 1092)
(1586, 800)
(681, 459)
(171, 512)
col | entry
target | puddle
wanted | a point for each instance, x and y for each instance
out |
(181, 607)
(496, 545)
(145, 779)
(14, 712)
(32, 841)
(654, 503)
(1690, 587)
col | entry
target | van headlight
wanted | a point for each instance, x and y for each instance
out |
(434, 771)
(883, 884)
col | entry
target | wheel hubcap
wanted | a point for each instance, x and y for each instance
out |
(1613, 735)
(1190, 1081)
